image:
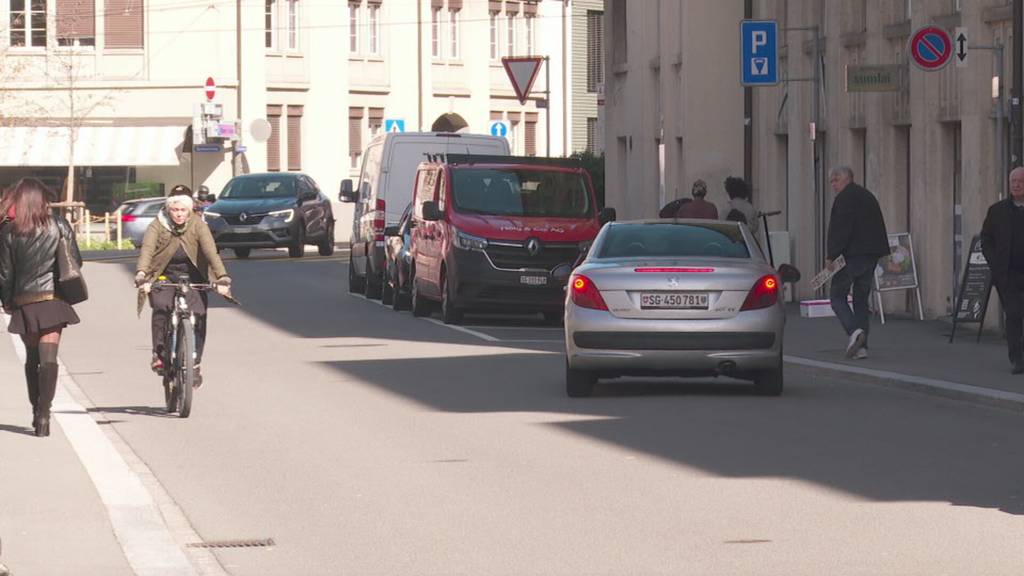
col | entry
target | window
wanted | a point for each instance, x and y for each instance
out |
(722, 240)
(530, 143)
(295, 137)
(274, 143)
(76, 23)
(619, 47)
(511, 34)
(122, 23)
(353, 28)
(592, 135)
(270, 22)
(595, 50)
(355, 135)
(453, 29)
(28, 23)
(494, 36)
(293, 24)
(520, 192)
(528, 21)
(435, 32)
(374, 12)
(376, 121)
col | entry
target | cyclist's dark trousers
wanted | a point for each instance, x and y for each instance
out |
(162, 302)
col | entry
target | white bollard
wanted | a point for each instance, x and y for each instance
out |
(87, 224)
(119, 228)
(106, 226)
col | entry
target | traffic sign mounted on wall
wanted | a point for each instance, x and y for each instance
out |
(759, 49)
(930, 48)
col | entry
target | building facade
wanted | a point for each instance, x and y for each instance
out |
(929, 149)
(115, 85)
(587, 64)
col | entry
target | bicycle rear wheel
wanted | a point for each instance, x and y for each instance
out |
(168, 373)
(185, 372)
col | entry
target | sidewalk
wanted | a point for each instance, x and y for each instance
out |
(913, 354)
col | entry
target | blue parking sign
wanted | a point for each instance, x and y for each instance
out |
(759, 52)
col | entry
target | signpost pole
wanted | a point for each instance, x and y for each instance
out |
(547, 97)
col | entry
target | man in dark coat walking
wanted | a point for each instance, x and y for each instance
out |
(1002, 242)
(856, 231)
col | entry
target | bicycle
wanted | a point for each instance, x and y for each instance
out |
(179, 354)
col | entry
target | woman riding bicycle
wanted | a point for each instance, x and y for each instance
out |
(179, 243)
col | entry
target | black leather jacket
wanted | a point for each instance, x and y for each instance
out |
(27, 262)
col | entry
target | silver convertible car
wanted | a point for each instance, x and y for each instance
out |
(675, 298)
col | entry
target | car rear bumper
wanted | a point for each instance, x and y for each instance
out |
(478, 284)
(747, 343)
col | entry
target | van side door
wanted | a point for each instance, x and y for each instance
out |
(365, 208)
(424, 248)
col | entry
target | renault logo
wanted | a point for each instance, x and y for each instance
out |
(533, 246)
(243, 217)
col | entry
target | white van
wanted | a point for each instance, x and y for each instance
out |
(386, 187)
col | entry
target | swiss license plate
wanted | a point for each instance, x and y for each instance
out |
(533, 280)
(674, 300)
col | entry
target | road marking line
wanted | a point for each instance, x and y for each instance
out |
(139, 524)
(480, 335)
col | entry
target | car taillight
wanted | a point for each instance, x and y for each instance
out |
(127, 218)
(585, 293)
(378, 221)
(764, 294)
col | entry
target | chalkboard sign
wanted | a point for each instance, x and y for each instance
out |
(975, 288)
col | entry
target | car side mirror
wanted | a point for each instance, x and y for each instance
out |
(789, 274)
(210, 198)
(430, 211)
(347, 192)
(606, 215)
(391, 230)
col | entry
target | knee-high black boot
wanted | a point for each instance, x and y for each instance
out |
(48, 368)
(32, 378)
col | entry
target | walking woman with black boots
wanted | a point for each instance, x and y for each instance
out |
(28, 253)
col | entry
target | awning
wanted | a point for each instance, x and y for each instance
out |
(94, 146)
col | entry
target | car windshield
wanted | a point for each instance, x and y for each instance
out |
(270, 187)
(520, 192)
(674, 240)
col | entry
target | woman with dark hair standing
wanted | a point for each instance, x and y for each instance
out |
(28, 254)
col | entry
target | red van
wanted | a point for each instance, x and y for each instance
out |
(499, 232)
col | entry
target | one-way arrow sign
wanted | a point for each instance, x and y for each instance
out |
(960, 43)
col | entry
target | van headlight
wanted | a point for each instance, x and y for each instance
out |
(469, 242)
(282, 215)
(208, 216)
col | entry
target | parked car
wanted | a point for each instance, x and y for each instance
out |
(136, 215)
(385, 188)
(499, 232)
(398, 266)
(272, 210)
(675, 298)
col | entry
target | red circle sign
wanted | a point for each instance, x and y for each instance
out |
(930, 48)
(211, 88)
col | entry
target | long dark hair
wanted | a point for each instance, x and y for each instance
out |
(31, 201)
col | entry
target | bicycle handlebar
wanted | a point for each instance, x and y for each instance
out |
(772, 213)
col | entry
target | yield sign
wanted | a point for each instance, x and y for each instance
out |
(522, 72)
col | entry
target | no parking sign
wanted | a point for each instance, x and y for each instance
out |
(930, 48)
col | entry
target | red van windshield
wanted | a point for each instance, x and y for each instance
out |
(520, 192)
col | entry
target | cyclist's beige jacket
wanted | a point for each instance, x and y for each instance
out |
(159, 245)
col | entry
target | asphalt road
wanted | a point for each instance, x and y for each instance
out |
(364, 441)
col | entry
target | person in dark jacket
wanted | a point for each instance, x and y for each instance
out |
(699, 208)
(740, 207)
(1002, 242)
(856, 231)
(28, 253)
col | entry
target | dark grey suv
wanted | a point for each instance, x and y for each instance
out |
(272, 210)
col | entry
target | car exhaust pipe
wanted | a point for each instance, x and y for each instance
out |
(726, 368)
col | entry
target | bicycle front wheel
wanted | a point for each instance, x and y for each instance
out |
(186, 370)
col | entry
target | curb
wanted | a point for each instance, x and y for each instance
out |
(944, 388)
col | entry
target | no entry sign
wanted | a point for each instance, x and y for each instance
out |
(211, 88)
(930, 48)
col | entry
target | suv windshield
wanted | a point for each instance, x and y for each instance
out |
(675, 240)
(270, 187)
(520, 192)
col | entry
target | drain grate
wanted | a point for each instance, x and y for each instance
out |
(266, 543)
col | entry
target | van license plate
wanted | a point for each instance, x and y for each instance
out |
(241, 229)
(674, 300)
(533, 280)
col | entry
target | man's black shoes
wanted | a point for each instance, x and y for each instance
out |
(1018, 367)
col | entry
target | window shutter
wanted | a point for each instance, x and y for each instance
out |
(122, 23)
(355, 131)
(455, 5)
(595, 50)
(530, 139)
(591, 135)
(495, 116)
(530, 9)
(274, 143)
(494, 7)
(376, 118)
(295, 137)
(76, 19)
(512, 8)
(437, 4)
